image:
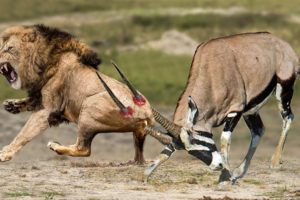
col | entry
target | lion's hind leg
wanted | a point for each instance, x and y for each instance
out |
(82, 147)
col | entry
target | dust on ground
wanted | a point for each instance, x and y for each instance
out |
(38, 173)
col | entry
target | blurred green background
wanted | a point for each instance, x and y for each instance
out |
(134, 33)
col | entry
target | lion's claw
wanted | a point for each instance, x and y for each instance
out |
(14, 106)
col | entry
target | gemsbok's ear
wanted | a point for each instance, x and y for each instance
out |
(193, 112)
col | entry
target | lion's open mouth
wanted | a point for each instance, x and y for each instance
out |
(8, 71)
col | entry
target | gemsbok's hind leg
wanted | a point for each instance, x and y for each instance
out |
(284, 94)
(256, 127)
(82, 147)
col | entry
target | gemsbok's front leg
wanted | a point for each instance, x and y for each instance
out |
(256, 127)
(230, 123)
(163, 157)
(37, 124)
(284, 94)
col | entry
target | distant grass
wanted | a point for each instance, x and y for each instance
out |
(26, 9)
(142, 28)
(160, 77)
(6, 91)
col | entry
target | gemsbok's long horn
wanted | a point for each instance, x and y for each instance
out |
(164, 139)
(172, 128)
(125, 111)
(138, 99)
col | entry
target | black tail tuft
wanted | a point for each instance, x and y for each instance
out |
(90, 59)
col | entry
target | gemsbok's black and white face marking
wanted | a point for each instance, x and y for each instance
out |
(199, 143)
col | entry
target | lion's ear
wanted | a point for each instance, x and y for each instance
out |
(29, 36)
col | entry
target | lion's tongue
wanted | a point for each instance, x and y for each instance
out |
(13, 76)
(10, 75)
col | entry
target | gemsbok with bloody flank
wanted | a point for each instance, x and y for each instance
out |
(231, 77)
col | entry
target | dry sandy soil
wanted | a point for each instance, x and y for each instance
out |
(37, 173)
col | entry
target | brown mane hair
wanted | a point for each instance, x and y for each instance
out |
(61, 42)
(51, 44)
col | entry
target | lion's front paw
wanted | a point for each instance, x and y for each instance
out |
(4, 156)
(14, 106)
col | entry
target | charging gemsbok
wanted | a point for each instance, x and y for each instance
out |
(232, 77)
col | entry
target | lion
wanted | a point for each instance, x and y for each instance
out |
(59, 74)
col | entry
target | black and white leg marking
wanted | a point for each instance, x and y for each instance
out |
(163, 157)
(284, 94)
(230, 123)
(200, 143)
(256, 127)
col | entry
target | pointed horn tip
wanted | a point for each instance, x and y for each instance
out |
(139, 100)
(113, 63)
(127, 112)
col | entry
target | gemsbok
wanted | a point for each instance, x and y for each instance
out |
(231, 77)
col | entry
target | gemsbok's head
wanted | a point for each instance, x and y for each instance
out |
(198, 143)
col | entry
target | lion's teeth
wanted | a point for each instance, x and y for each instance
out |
(5, 66)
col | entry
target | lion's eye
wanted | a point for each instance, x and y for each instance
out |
(8, 49)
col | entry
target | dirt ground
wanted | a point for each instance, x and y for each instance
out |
(37, 173)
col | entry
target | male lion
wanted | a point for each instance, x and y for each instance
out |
(59, 74)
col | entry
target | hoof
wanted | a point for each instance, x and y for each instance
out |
(145, 179)
(225, 186)
(225, 176)
(276, 164)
